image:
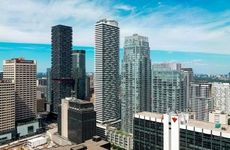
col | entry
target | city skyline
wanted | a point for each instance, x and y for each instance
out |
(115, 74)
(200, 62)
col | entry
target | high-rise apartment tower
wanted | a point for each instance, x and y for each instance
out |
(107, 103)
(135, 79)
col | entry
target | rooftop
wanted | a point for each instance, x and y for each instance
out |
(208, 125)
(90, 144)
(150, 114)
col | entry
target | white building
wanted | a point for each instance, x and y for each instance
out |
(221, 95)
(106, 87)
(218, 117)
(120, 138)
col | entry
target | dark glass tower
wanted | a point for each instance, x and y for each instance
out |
(61, 64)
(78, 73)
(77, 121)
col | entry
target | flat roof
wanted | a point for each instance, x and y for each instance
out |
(207, 125)
(191, 122)
(36, 139)
(150, 114)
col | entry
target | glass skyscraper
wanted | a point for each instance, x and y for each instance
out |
(61, 64)
(107, 103)
(168, 88)
(78, 73)
(135, 79)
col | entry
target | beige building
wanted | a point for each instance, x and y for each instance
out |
(23, 73)
(218, 117)
(7, 109)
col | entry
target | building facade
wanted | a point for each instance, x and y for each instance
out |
(79, 73)
(177, 132)
(23, 73)
(135, 79)
(77, 121)
(119, 138)
(7, 110)
(201, 99)
(168, 88)
(106, 86)
(221, 96)
(61, 64)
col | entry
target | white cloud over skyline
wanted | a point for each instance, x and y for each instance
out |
(175, 28)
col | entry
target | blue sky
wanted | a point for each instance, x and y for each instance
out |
(177, 25)
(200, 62)
(172, 26)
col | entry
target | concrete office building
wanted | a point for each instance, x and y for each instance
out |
(23, 73)
(61, 64)
(221, 96)
(178, 132)
(106, 87)
(201, 99)
(7, 110)
(79, 73)
(77, 120)
(135, 79)
(168, 88)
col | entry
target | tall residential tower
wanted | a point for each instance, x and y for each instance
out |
(107, 103)
(136, 79)
(61, 64)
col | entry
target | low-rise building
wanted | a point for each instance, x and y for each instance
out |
(218, 117)
(120, 138)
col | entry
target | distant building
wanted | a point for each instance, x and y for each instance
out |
(88, 93)
(135, 79)
(23, 73)
(106, 87)
(221, 96)
(61, 64)
(77, 120)
(218, 117)
(79, 73)
(41, 94)
(168, 88)
(177, 132)
(49, 89)
(188, 73)
(7, 110)
(201, 99)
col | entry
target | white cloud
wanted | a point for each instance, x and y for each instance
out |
(124, 7)
(168, 28)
